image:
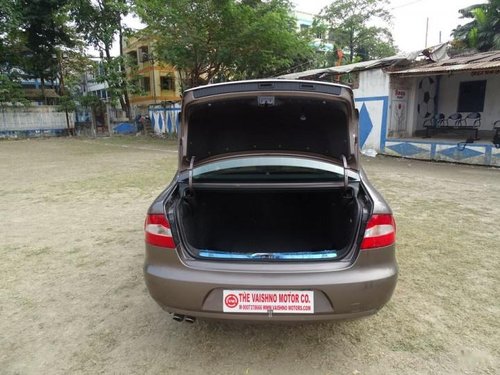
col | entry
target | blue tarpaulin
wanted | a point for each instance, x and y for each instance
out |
(125, 128)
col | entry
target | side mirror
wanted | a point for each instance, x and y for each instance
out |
(179, 116)
(356, 111)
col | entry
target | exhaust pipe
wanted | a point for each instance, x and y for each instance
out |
(178, 318)
(190, 319)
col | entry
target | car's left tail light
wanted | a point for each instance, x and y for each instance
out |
(157, 231)
(380, 232)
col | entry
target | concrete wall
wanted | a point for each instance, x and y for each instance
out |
(37, 120)
(372, 83)
(448, 96)
(378, 100)
(432, 94)
(479, 153)
(372, 101)
(403, 116)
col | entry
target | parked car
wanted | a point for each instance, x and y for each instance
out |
(270, 215)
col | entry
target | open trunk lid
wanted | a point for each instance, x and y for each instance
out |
(269, 116)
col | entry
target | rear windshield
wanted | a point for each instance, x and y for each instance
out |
(270, 169)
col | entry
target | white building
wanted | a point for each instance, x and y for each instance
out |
(397, 96)
(305, 22)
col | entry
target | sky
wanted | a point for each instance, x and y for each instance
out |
(408, 28)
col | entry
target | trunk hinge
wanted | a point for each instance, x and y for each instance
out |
(190, 173)
(346, 178)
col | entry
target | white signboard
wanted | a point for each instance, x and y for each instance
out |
(268, 301)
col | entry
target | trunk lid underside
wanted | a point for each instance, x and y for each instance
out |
(253, 123)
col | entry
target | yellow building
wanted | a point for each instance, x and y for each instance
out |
(159, 82)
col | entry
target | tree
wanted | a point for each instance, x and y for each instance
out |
(44, 30)
(100, 22)
(483, 32)
(12, 41)
(9, 22)
(72, 65)
(266, 41)
(10, 45)
(217, 40)
(11, 92)
(93, 104)
(348, 24)
(120, 84)
(31, 33)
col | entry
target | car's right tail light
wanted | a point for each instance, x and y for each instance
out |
(157, 231)
(380, 231)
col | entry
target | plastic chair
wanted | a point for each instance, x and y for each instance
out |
(456, 119)
(475, 117)
(432, 122)
(428, 120)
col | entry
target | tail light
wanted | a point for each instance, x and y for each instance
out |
(157, 231)
(380, 231)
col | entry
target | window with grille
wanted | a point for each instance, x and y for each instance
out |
(146, 84)
(167, 83)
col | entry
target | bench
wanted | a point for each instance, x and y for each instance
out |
(453, 122)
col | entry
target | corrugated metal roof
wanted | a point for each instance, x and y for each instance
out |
(436, 53)
(37, 93)
(479, 61)
(343, 69)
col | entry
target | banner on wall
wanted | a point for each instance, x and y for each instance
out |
(165, 120)
(399, 112)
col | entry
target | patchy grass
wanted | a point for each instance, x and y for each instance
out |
(130, 140)
(73, 296)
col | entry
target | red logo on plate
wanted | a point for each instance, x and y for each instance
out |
(231, 301)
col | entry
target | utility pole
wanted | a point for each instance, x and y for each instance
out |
(426, 31)
(154, 73)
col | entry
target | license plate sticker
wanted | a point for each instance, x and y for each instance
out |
(268, 301)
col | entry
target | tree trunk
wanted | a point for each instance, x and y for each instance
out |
(62, 89)
(67, 122)
(42, 86)
(93, 121)
(125, 97)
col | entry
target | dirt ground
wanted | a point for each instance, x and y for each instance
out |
(73, 298)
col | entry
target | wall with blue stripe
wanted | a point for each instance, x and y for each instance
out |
(372, 121)
(480, 153)
(35, 121)
(373, 125)
(165, 120)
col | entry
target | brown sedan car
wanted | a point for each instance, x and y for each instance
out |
(270, 216)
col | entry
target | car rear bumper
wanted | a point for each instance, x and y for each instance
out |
(188, 288)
